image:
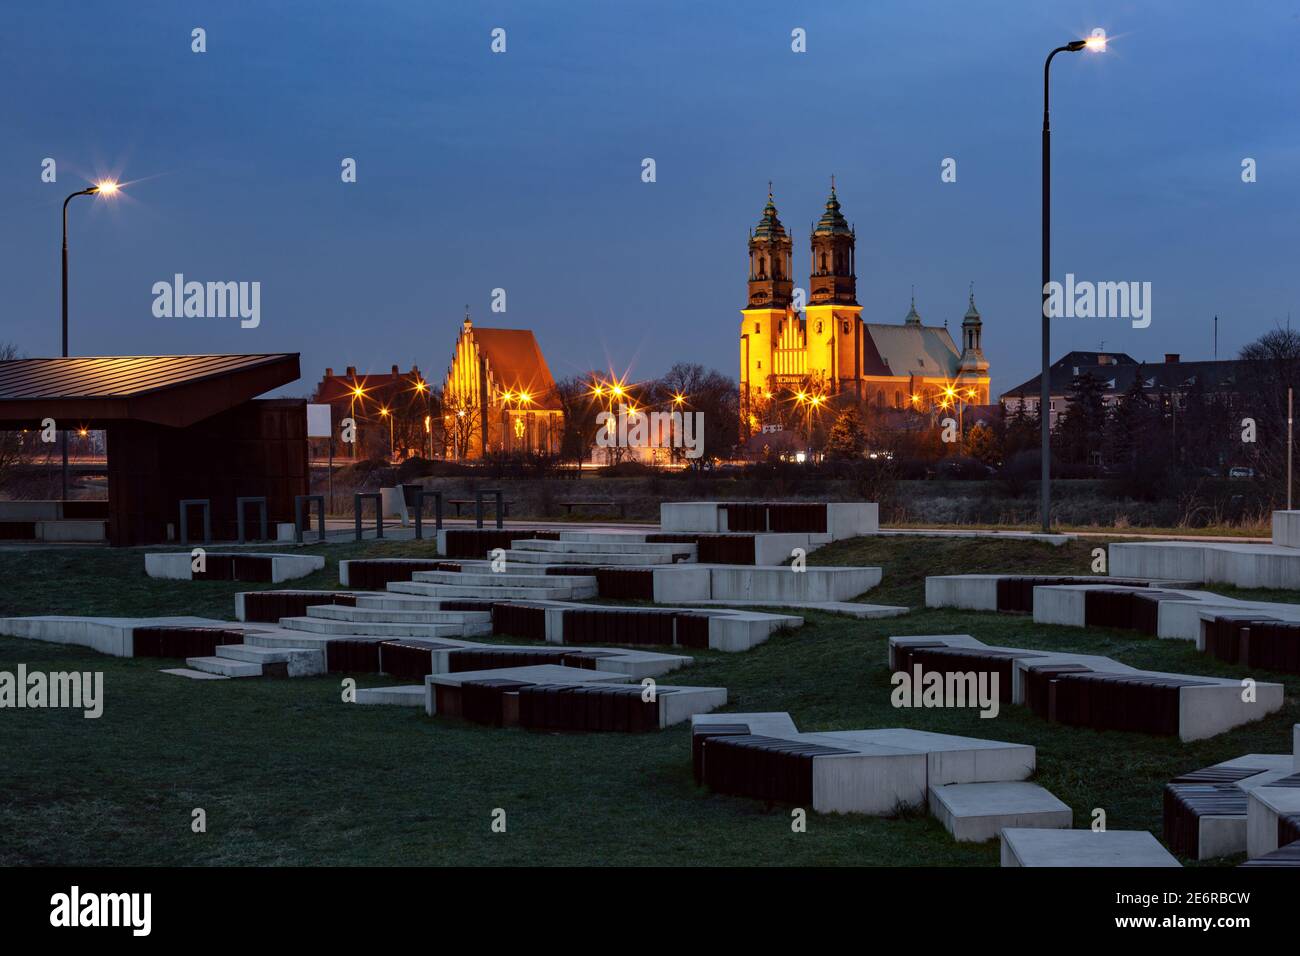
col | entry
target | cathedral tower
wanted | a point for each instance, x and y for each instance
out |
(973, 366)
(834, 328)
(764, 321)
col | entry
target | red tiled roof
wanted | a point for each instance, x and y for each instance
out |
(517, 363)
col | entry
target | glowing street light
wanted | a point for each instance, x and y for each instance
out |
(1095, 43)
(383, 413)
(105, 187)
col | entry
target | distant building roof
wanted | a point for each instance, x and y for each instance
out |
(377, 385)
(175, 390)
(922, 350)
(1117, 372)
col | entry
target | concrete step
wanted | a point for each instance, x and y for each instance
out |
(610, 559)
(320, 625)
(280, 661)
(337, 612)
(224, 666)
(192, 674)
(403, 695)
(976, 812)
(406, 602)
(251, 654)
(583, 585)
(301, 639)
(453, 591)
(590, 546)
(624, 537)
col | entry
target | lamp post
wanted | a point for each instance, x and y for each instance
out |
(357, 392)
(1097, 44)
(103, 188)
(383, 413)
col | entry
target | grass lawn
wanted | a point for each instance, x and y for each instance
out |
(288, 774)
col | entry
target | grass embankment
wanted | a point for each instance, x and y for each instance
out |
(287, 774)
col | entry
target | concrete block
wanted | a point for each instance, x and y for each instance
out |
(1148, 559)
(975, 812)
(404, 695)
(777, 549)
(1210, 709)
(1263, 807)
(325, 626)
(72, 530)
(764, 724)
(682, 584)
(224, 666)
(951, 759)
(848, 519)
(1076, 848)
(1286, 529)
(176, 565)
(538, 674)
(776, 585)
(300, 661)
(690, 516)
(971, 592)
(192, 674)
(392, 502)
(1060, 605)
(108, 635)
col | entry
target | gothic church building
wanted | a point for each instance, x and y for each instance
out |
(829, 349)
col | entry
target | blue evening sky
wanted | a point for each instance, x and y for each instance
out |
(522, 170)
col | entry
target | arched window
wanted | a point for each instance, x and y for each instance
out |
(898, 399)
(846, 327)
(823, 262)
(819, 328)
(758, 327)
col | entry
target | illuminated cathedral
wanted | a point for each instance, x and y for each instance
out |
(828, 349)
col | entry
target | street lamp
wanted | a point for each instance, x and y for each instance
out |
(422, 388)
(106, 187)
(383, 413)
(1096, 43)
(355, 393)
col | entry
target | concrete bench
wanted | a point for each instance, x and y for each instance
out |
(611, 504)
(557, 697)
(1075, 848)
(860, 771)
(1205, 810)
(232, 566)
(1089, 690)
(1253, 640)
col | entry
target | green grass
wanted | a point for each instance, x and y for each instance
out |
(290, 775)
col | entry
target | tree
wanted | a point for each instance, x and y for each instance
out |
(981, 443)
(580, 411)
(847, 438)
(1021, 430)
(462, 423)
(1081, 429)
(1273, 366)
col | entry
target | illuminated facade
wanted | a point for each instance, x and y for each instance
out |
(499, 397)
(828, 349)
